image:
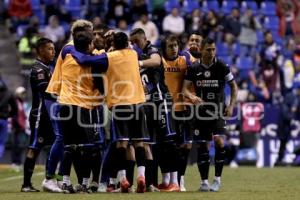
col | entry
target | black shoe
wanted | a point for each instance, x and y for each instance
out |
(85, 189)
(68, 188)
(94, 186)
(28, 188)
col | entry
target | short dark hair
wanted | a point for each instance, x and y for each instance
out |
(196, 33)
(207, 40)
(120, 40)
(137, 31)
(82, 40)
(41, 42)
(164, 41)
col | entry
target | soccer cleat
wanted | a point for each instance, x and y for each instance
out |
(204, 187)
(117, 190)
(68, 189)
(102, 187)
(50, 185)
(132, 189)
(77, 188)
(124, 185)
(59, 184)
(152, 188)
(215, 186)
(110, 188)
(28, 188)
(94, 186)
(162, 186)
(182, 188)
(85, 189)
(141, 184)
(171, 188)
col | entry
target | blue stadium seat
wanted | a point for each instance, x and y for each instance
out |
(213, 5)
(226, 59)
(260, 36)
(36, 4)
(249, 4)
(40, 15)
(74, 7)
(73, 3)
(222, 49)
(268, 8)
(276, 37)
(244, 63)
(190, 5)
(271, 23)
(227, 6)
(236, 48)
(169, 4)
(210, 5)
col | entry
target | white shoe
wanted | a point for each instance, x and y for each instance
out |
(152, 188)
(59, 184)
(50, 185)
(182, 188)
(102, 187)
(233, 164)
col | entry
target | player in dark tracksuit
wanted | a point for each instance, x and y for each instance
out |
(42, 132)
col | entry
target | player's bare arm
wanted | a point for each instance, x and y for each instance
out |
(187, 93)
(233, 96)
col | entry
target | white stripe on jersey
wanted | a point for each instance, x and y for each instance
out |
(159, 92)
(37, 123)
(229, 77)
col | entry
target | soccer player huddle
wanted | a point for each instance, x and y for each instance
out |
(113, 102)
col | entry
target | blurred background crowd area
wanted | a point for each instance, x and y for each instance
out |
(259, 39)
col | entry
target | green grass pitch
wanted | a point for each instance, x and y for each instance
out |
(242, 183)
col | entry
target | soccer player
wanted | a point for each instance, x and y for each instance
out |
(125, 98)
(209, 76)
(99, 45)
(78, 101)
(175, 68)
(160, 122)
(40, 124)
(193, 51)
(151, 72)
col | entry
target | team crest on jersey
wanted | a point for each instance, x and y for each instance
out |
(41, 140)
(207, 74)
(196, 132)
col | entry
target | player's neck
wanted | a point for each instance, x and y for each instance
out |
(207, 62)
(43, 60)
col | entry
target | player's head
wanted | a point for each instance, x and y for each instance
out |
(98, 32)
(208, 48)
(170, 47)
(194, 43)
(138, 37)
(81, 25)
(45, 50)
(83, 41)
(120, 40)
